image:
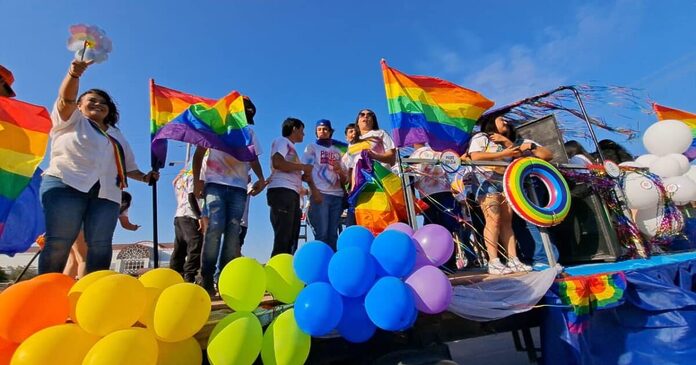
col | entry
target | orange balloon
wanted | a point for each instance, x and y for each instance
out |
(7, 349)
(30, 306)
(62, 281)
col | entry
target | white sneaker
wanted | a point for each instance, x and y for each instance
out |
(495, 267)
(518, 266)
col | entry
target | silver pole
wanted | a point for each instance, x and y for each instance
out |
(589, 123)
(408, 193)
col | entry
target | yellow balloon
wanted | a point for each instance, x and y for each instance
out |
(124, 347)
(242, 284)
(112, 303)
(186, 352)
(161, 278)
(151, 296)
(236, 339)
(281, 280)
(181, 311)
(284, 343)
(82, 284)
(65, 344)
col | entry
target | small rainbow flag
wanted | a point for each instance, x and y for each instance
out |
(665, 113)
(218, 124)
(430, 110)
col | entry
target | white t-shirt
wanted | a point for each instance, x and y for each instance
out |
(326, 179)
(481, 143)
(579, 160)
(379, 141)
(432, 178)
(280, 179)
(81, 155)
(222, 168)
(183, 185)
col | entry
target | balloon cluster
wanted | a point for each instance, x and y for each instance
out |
(372, 282)
(89, 42)
(239, 338)
(116, 320)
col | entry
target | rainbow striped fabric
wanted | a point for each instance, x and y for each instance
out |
(430, 110)
(218, 124)
(377, 195)
(665, 113)
(24, 132)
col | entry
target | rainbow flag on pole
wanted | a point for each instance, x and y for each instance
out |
(218, 124)
(430, 110)
(665, 113)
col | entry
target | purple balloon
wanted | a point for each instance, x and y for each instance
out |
(401, 227)
(432, 289)
(435, 242)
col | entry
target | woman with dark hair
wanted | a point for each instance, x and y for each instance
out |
(81, 188)
(577, 154)
(613, 151)
(381, 144)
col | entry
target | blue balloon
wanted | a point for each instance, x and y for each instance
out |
(390, 304)
(411, 320)
(318, 309)
(355, 326)
(394, 252)
(311, 262)
(355, 236)
(352, 271)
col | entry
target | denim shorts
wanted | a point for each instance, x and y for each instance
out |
(491, 184)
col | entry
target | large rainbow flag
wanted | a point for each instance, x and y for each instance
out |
(24, 132)
(430, 110)
(665, 113)
(377, 196)
(218, 124)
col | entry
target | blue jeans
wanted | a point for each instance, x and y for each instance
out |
(225, 206)
(68, 210)
(324, 219)
(539, 252)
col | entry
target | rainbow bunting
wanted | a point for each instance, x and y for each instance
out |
(430, 110)
(24, 132)
(218, 124)
(665, 113)
(377, 195)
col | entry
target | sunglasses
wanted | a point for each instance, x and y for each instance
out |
(364, 114)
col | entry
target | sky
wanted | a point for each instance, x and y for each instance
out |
(320, 59)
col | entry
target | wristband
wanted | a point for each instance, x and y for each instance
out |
(73, 75)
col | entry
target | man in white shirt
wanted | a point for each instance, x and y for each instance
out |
(225, 194)
(189, 226)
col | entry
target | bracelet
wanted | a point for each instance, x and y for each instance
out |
(73, 75)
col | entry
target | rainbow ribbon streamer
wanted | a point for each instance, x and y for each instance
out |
(665, 113)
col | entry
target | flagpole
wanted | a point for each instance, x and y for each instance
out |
(155, 238)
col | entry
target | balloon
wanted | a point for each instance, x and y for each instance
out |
(281, 280)
(80, 286)
(236, 339)
(7, 349)
(355, 326)
(436, 242)
(30, 306)
(685, 189)
(242, 284)
(666, 166)
(352, 271)
(401, 227)
(411, 320)
(120, 295)
(148, 315)
(311, 262)
(682, 161)
(57, 279)
(181, 311)
(185, 352)
(65, 344)
(667, 136)
(691, 174)
(318, 309)
(646, 160)
(160, 278)
(432, 290)
(284, 343)
(394, 252)
(357, 236)
(124, 347)
(648, 220)
(640, 192)
(389, 304)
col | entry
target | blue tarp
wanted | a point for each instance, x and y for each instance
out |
(25, 221)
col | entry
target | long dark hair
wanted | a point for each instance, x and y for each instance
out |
(111, 117)
(489, 127)
(375, 124)
(574, 148)
(614, 151)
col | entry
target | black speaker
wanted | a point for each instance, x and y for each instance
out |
(545, 132)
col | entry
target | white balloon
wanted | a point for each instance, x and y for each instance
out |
(682, 160)
(667, 136)
(640, 192)
(648, 220)
(646, 160)
(682, 188)
(691, 174)
(665, 166)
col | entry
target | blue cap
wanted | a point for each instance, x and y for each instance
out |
(324, 122)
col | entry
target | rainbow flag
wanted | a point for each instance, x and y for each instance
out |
(218, 124)
(430, 110)
(24, 132)
(377, 196)
(665, 113)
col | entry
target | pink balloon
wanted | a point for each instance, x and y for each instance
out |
(431, 288)
(401, 227)
(435, 242)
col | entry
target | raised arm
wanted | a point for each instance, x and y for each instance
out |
(67, 94)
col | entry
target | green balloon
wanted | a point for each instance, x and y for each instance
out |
(242, 284)
(281, 280)
(284, 343)
(236, 339)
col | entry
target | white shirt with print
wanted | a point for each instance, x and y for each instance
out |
(280, 179)
(325, 178)
(222, 168)
(380, 142)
